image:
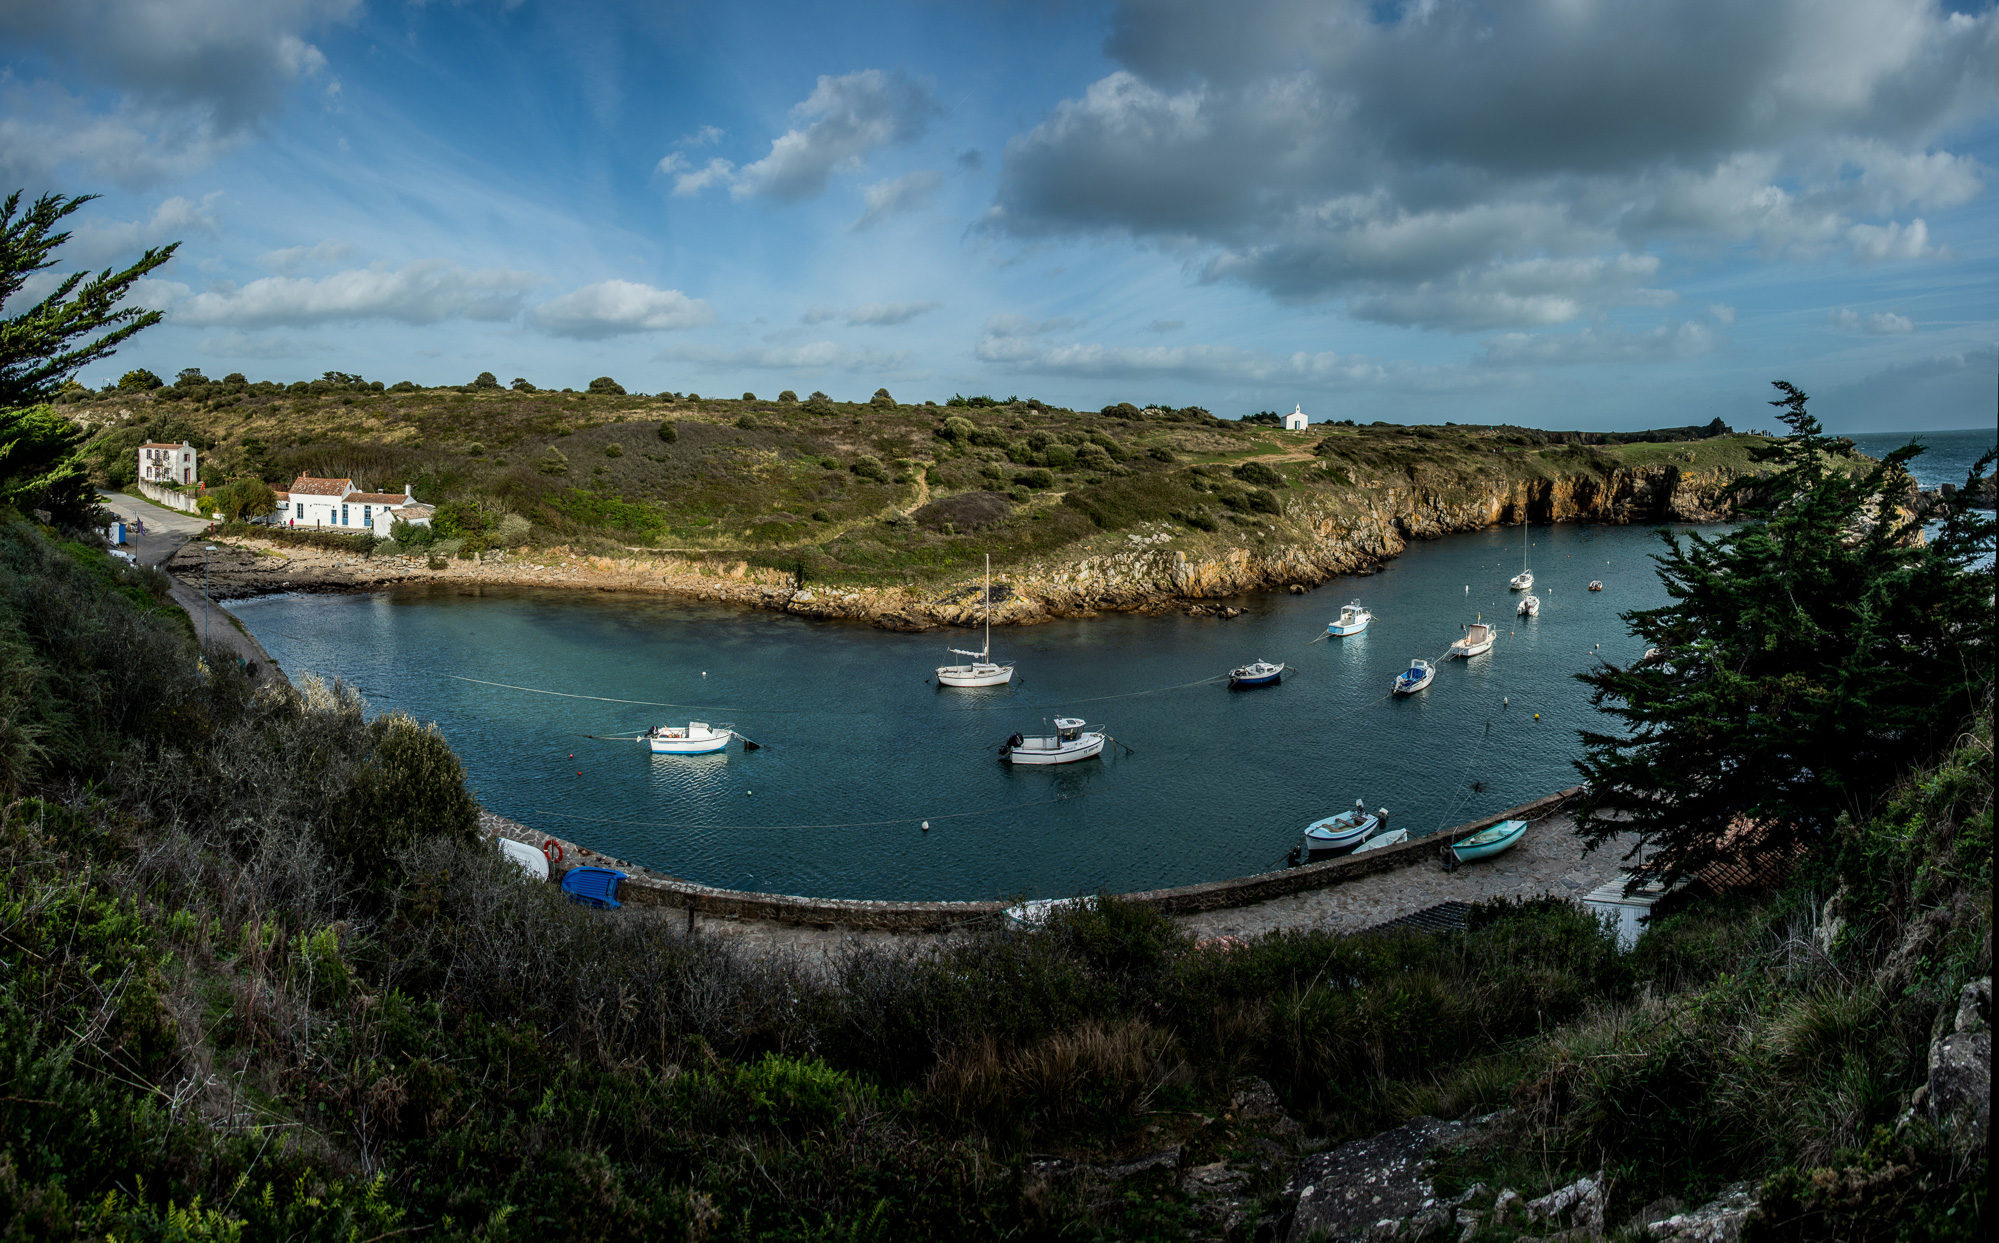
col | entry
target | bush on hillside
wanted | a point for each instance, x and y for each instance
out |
(819, 404)
(787, 396)
(605, 385)
(553, 462)
(1260, 475)
(669, 431)
(881, 400)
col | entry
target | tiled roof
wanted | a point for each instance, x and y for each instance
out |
(281, 495)
(321, 487)
(376, 498)
(153, 444)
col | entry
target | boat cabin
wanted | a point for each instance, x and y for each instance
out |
(1068, 729)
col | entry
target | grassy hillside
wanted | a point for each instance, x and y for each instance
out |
(861, 492)
(259, 980)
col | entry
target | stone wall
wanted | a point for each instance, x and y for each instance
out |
(159, 494)
(645, 887)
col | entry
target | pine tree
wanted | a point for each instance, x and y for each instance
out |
(1807, 659)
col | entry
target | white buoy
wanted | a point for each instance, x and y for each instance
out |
(926, 826)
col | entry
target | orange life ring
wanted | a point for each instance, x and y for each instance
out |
(553, 850)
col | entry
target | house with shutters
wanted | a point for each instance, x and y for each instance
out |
(336, 504)
(165, 463)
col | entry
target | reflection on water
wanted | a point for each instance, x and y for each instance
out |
(860, 747)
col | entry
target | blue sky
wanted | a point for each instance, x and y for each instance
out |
(1563, 213)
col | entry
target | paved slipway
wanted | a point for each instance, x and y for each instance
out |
(168, 535)
(1549, 862)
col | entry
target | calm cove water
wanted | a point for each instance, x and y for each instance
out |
(860, 748)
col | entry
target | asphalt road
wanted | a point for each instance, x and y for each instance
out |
(166, 531)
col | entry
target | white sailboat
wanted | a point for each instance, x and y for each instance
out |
(980, 670)
(1524, 580)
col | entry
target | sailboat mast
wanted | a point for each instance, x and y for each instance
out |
(987, 655)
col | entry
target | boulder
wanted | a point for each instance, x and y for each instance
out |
(1720, 1220)
(1960, 1082)
(1378, 1181)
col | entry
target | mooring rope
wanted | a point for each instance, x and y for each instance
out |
(852, 824)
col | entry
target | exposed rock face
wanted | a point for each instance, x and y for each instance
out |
(1960, 1083)
(1373, 1187)
(1720, 1220)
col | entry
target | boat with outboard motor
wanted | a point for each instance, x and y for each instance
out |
(1418, 675)
(697, 738)
(980, 669)
(1596, 584)
(1478, 640)
(1353, 620)
(1261, 673)
(1530, 605)
(1071, 741)
(1341, 834)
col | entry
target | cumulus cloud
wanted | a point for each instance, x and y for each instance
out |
(290, 260)
(834, 130)
(424, 292)
(1408, 158)
(904, 193)
(190, 78)
(1666, 343)
(95, 243)
(811, 356)
(871, 314)
(618, 308)
(1879, 324)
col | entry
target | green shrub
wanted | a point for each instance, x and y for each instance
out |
(614, 449)
(485, 381)
(1035, 479)
(788, 396)
(669, 431)
(881, 400)
(605, 386)
(139, 380)
(553, 462)
(749, 396)
(403, 386)
(1257, 474)
(819, 404)
(514, 531)
(520, 385)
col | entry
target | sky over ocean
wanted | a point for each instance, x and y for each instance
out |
(1564, 213)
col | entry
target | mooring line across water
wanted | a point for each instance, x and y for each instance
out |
(852, 824)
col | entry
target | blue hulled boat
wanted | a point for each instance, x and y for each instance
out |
(1417, 676)
(1353, 620)
(1262, 673)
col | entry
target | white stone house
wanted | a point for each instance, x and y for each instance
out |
(164, 463)
(1296, 420)
(338, 505)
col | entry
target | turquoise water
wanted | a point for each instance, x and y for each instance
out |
(860, 748)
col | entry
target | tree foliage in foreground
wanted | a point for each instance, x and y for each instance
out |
(1807, 659)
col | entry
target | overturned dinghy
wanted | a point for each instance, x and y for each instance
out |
(1071, 741)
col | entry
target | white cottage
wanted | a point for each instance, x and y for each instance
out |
(165, 463)
(1296, 420)
(338, 504)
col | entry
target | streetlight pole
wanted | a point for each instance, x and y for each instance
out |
(207, 606)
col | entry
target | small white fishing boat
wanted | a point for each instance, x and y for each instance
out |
(1261, 673)
(1524, 580)
(1478, 640)
(1418, 675)
(1353, 620)
(980, 669)
(697, 738)
(1387, 837)
(1596, 584)
(1337, 835)
(1071, 741)
(1530, 605)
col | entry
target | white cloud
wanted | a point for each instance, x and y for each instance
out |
(423, 292)
(1666, 343)
(153, 294)
(46, 134)
(289, 261)
(1894, 240)
(96, 243)
(717, 171)
(835, 128)
(616, 308)
(812, 356)
(1021, 326)
(870, 314)
(1878, 324)
(1399, 156)
(905, 193)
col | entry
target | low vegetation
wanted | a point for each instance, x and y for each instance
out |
(861, 492)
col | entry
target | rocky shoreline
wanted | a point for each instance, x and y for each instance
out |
(1152, 568)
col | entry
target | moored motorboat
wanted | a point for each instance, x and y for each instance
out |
(1353, 620)
(697, 738)
(1337, 835)
(1596, 584)
(1417, 676)
(1530, 605)
(1478, 639)
(1488, 842)
(1261, 673)
(1071, 741)
(979, 670)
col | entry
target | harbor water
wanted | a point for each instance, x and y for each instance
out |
(860, 747)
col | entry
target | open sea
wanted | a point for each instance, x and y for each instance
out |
(860, 747)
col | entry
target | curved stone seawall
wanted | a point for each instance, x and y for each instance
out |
(648, 888)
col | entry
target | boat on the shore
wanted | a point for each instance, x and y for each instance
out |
(1488, 842)
(1071, 741)
(1478, 640)
(1260, 673)
(1339, 834)
(1418, 675)
(1353, 620)
(1530, 605)
(980, 670)
(1387, 837)
(696, 738)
